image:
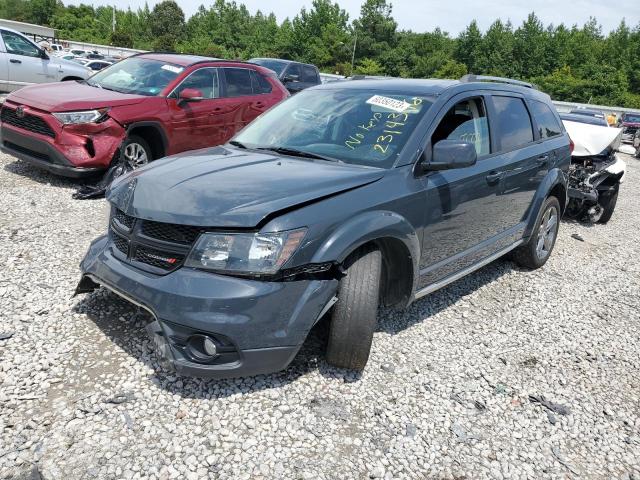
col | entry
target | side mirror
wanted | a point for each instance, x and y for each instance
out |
(448, 154)
(190, 95)
(290, 78)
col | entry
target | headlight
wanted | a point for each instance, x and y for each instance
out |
(87, 116)
(258, 253)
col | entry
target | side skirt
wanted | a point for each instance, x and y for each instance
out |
(461, 273)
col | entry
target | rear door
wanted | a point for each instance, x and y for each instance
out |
(244, 97)
(522, 153)
(25, 62)
(198, 124)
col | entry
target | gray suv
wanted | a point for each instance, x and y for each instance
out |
(341, 198)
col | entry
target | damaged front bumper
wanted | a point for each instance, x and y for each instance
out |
(256, 326)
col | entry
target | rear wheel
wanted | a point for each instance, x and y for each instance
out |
(537, 250)
(608, 203)
(136, 151)
(355, 313)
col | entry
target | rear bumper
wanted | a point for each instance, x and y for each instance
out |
(259, 325)
(41, 154)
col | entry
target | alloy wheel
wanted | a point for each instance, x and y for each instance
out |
(135, 155)
(547, 232)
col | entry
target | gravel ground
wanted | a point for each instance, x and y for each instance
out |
(504, 374)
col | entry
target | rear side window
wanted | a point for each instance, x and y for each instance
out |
(238, 82)
(260, 84)
(309, 74)
(548, 125)
(294, 71)
(513, 122)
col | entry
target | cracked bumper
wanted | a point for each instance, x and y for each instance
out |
(260, 324)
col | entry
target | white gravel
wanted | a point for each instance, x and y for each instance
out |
(445, 394)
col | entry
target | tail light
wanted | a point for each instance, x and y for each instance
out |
(571, 146)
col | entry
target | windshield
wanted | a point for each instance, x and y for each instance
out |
(139, 76)
(274, 65)
(632, 118)
(352, 126)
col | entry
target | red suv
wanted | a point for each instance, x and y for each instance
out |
(145, 107)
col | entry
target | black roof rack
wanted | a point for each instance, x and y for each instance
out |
(487, 78)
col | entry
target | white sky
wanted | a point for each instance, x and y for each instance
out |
(450, 16)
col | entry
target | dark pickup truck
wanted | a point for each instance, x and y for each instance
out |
(295, 76)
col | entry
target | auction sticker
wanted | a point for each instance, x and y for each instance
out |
(390, 103)
(172, 68)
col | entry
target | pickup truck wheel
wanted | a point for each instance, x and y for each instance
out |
(354, 318)
(608, 204)
(537, 250)
(136, 151)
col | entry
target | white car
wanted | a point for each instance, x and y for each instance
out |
(22, 62)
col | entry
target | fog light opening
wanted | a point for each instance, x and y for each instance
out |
(202, 348)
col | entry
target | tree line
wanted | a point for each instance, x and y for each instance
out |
(571, 63)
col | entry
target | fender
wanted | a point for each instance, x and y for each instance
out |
(367, 227)
(554, 177)
(156, 125)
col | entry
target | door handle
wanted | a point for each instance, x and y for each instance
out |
(15, 60)
(493, 178)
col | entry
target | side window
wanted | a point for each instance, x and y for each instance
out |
(548, 125)
(18, 45)
(466, 121)
(204, 79)
(260, 84)
(513, 122)
(294, 71)
(238, 82)
(309, 74)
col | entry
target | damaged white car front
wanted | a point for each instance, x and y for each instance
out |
(596, 171)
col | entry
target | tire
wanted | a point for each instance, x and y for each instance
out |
(354, 317)
(136, 151)
(530, 255)
(608, 204)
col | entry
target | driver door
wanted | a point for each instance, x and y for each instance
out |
(463, 205)
(198, 124)
(25, 62)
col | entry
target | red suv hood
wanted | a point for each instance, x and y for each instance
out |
(70, 96)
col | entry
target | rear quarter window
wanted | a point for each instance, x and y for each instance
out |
(238, 82)
(546, 121)
(514, 123)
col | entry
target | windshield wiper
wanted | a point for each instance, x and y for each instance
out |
(299, 153)
(238, 144)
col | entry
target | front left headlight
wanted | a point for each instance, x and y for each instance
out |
(86, 116)
(247, 253)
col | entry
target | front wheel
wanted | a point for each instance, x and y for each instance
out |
(136, 152)
(535, 253)
(354, 318)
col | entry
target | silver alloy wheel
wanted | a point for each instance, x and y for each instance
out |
(547, 232)
(135, 155)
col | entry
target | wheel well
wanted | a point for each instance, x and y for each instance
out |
(153, 137)
(560, 193)
(396, 284)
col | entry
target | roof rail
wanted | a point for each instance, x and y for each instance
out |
(486, 78)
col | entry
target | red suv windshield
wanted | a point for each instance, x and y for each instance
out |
(138, 76)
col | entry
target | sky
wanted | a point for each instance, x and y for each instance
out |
(450, 16)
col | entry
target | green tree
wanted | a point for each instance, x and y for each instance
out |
(376, 29)
(467, 46)
(167, 25)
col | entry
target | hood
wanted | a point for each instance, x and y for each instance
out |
(69, 96)
(228, 187)
(590, 139)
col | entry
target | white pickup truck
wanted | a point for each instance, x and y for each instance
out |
(22, 62)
